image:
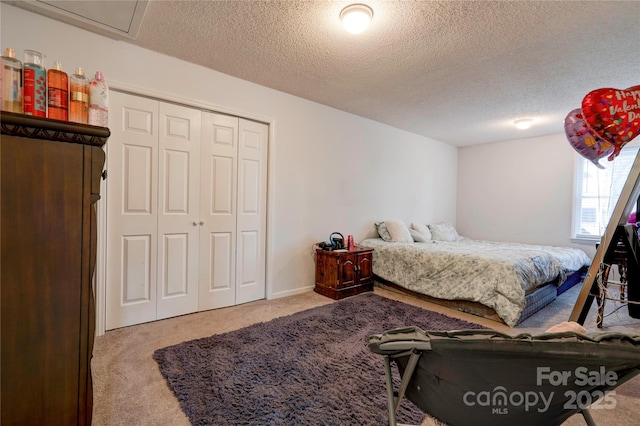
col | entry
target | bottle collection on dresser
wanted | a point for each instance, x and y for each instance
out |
(29, 88)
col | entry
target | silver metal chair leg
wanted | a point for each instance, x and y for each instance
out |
(390, 397)
(394, 401)
(406, 377)
(587, 417)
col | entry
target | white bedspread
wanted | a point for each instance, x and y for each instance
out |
(494, 274)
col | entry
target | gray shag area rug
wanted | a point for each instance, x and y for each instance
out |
(309, 368)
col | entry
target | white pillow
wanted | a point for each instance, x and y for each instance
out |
(418, 237)
(444, 232)
(398, 231)
(422, 229)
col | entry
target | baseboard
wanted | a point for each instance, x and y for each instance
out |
(293, 292)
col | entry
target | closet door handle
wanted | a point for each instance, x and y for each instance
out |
(195, 223)
(201, 222)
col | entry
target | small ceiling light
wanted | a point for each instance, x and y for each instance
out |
(523, 123)
(356, 17)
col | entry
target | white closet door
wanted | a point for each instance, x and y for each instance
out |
(178, 210)
(132, 217)
(186, 211)
(218, 171)
(251, 217)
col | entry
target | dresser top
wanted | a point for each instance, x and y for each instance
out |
(344, 251)
(27, 126)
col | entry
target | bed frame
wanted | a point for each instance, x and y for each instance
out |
(535, 301)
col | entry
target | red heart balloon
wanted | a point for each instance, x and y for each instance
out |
(613, 115)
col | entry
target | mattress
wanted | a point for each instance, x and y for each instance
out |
(496, 275)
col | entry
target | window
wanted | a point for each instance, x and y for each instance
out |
(597, 192)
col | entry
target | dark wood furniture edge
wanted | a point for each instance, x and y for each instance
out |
(27, 133)
(338, 253)
(344, 292)
(45, 128)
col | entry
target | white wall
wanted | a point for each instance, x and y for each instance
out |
(519, 191)
(330, 171)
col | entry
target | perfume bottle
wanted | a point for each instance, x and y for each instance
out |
(58, 93)
(79, 97)
(99, 101)
(35, 84)
(11, 90)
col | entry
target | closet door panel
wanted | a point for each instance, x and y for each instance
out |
(249, 241)
(131, 212)
(218, 177)
(221, 188)
(220, 265)
(178, 210)
(136, 278)
(251, 217)
(137, 176)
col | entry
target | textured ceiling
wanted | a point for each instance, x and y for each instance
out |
(456, 71)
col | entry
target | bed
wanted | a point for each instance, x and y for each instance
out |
(501, 281)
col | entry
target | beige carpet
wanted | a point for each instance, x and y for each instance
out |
(129, 390)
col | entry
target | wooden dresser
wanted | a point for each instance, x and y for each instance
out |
(50, 173)
(340, 274)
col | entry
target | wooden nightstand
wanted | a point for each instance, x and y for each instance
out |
(341, 274)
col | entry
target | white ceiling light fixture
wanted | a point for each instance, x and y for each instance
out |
(356, 17)
(524, 123)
